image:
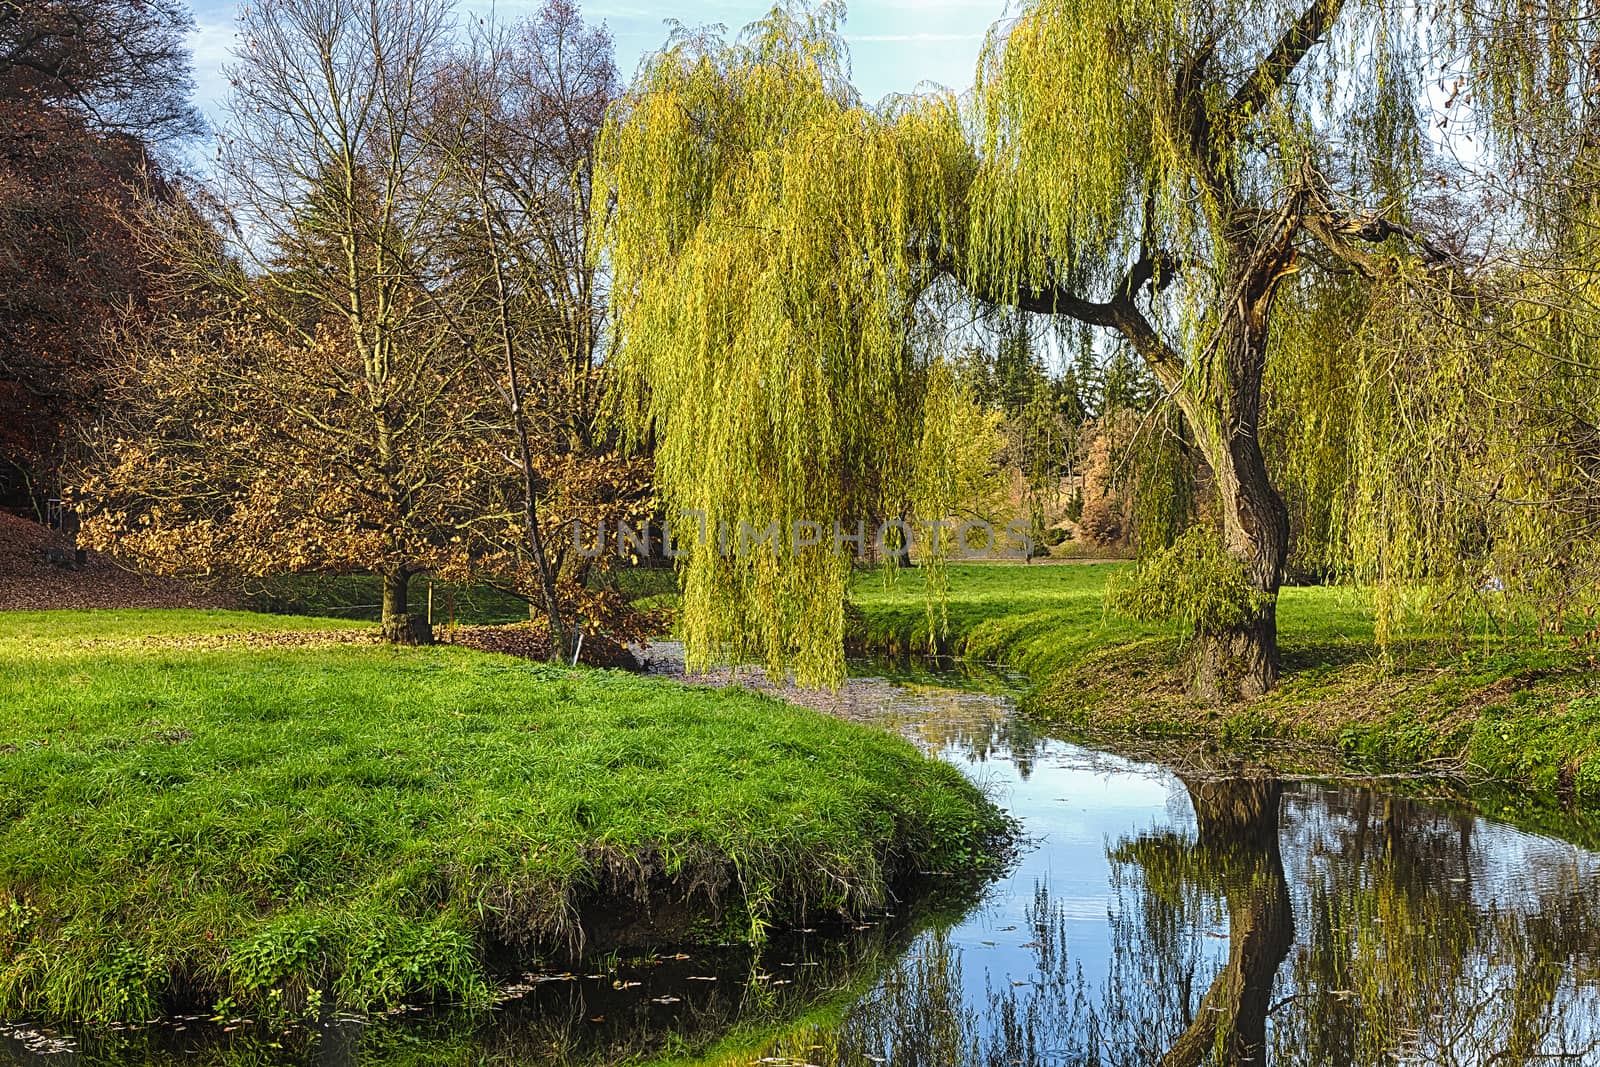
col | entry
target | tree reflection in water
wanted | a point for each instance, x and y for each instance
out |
(1358, 929)
(1156, 1007)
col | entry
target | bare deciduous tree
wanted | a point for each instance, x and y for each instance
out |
(337, 436)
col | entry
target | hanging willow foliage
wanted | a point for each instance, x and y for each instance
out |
(767, 236)
(1228, 189)
(1436, 421)
(1070, 142)
(1445, 447)
(1163, 483)
(1112, 131)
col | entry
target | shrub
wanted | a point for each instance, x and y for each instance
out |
(1101, 522)
(1194, 583)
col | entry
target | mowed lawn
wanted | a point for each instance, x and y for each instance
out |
(251, 811)
(1043, 618)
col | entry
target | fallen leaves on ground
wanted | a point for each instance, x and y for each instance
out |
(29, 581)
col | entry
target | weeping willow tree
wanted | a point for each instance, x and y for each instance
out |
(767, 238)
(1163, 170)
(1221, 188)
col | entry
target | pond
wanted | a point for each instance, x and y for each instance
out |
(1155, 913)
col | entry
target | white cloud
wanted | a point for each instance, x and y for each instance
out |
(211, 43)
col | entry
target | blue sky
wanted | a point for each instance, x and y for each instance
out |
(895, 44)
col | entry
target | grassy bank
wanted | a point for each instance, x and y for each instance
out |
(1523, 710)
(225, 809)
(359, 597)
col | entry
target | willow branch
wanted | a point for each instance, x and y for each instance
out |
(1275, 67)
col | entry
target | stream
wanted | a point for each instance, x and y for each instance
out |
(1153, 915)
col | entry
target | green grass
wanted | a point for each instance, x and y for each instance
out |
(36, 635)
(1035, 617)
(359, 596)
(190, 811)
(1521, 709)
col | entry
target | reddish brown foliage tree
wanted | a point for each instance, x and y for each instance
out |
(87, 87)
(376, 351)
(518, 117)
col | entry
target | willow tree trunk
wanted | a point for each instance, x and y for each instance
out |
(400, 625)
(1238, 823)
(1218, 389)
(1242, 663)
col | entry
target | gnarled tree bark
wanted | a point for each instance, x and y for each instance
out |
(1242, 663)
